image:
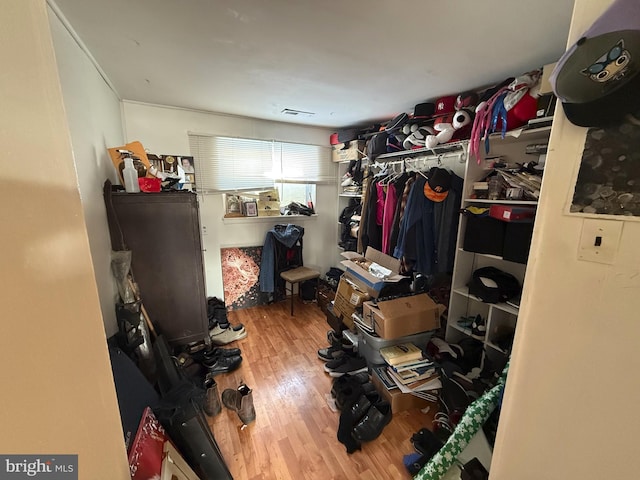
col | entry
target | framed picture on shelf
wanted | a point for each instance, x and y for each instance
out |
(251, 209)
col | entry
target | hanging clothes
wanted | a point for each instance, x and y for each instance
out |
(390, 202)
(282, 249)
(403, 186)
(371, 231)
(417, 239)
(446, 216)
(363, 215)
(381, 193)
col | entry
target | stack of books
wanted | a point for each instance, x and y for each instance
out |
(410, 371)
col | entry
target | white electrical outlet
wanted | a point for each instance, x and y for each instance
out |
(599, 240)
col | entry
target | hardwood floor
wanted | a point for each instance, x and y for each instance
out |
(294, 435)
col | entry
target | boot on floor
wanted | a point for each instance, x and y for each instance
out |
(240, 401)
(211, 404)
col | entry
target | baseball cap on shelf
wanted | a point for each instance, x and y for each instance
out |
(598, 78)
(424, 110)
(438, 184)
(445, 105)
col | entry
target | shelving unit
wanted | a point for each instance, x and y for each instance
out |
(501, 318)
(344, 198)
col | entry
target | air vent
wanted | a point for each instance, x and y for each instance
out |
(290, 111)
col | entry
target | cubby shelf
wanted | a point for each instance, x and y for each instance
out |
(501, 318)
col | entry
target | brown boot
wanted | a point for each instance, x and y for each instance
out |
(240, 401)
(211, 404)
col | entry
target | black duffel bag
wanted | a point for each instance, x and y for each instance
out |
(492, 285)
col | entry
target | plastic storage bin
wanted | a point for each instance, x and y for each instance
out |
(369, 345)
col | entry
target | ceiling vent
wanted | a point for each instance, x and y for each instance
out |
(290, 111)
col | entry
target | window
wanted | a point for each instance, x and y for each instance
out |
(227, 164)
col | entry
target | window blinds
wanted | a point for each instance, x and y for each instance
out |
(226, 164)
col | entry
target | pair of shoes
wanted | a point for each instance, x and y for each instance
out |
(221, 364)
(224, 337)
(425, 442)
(213, 352)
(240, 401)
(372, 414)
(218, 328)
(466, 322)
(348, 388)
(337, 348)
(442, 427)
(349, 363)
(427, 445)
(211, 403)
(332, 336)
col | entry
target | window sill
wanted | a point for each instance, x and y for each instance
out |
(274, 219)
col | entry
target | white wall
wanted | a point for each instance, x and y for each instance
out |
(163, 130)
(570, 406)
(58, 395)
(95, 122)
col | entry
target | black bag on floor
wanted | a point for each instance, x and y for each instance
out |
(308, 289)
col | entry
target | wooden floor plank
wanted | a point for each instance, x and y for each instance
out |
(294, 435)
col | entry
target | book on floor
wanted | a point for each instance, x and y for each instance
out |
(387, 381)
(405, 378)
(401, 353)
(413, 364)
(417, 373)
(431, 385)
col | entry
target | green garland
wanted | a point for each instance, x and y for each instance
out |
(471, 422)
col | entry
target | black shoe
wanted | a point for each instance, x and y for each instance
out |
(351, 365)
(363, 404)
(222, 364)
(426, 443)
(215, 352)
(374, 421)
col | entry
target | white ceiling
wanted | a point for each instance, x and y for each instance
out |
(349, 61)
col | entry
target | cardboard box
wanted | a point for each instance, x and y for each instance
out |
(354, 151)
(399, 401)
(268, 208)
(348, 297)
(366, 280)
(269, 196)
(403, 316)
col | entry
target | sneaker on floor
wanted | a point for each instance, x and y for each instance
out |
(227, 336)
(337, 349)
(336, 362)
(330, 353)
(351, 365)
(217, 329)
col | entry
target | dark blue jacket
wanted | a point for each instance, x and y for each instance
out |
(287, 235)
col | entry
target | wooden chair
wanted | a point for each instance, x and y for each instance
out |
(297, 276)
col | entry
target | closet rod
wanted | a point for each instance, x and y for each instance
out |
(460, 155)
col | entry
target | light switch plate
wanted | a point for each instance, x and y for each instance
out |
(599, 240)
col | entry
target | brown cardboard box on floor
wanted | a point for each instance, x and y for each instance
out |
(348, 297)
(366, 280)
(403, 316)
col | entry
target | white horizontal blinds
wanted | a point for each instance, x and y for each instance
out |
(226, 164)
(301, 163)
